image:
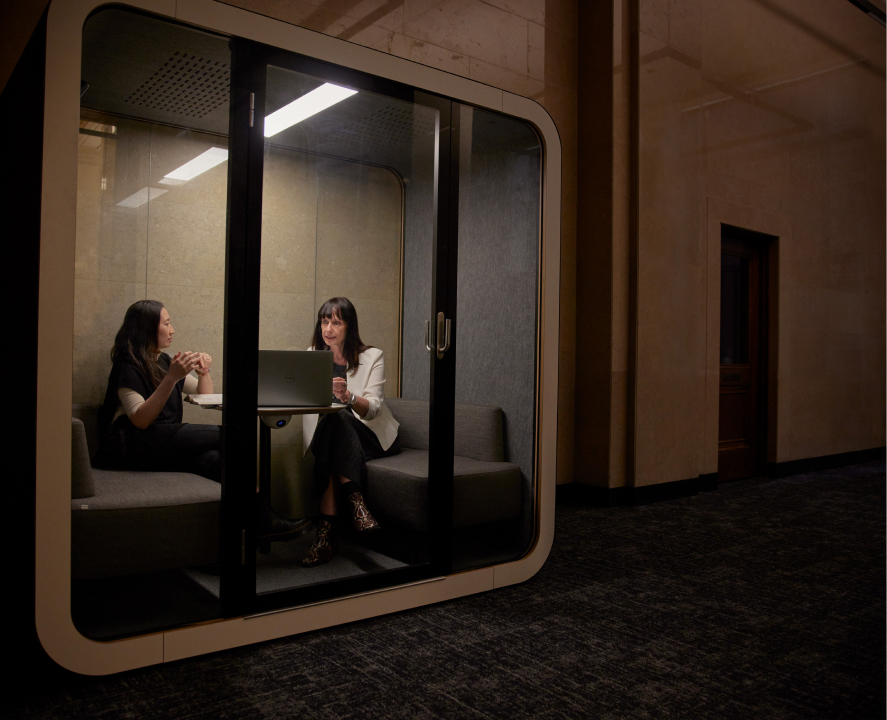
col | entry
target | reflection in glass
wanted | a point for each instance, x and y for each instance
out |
(499, 210)
(151, 215)
(337, 185)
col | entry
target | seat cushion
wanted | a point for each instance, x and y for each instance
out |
(117, 489)
(140, 522)
(483, 491)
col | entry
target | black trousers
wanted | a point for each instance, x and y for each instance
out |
(341, 446)
(193, 448)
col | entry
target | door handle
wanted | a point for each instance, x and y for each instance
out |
(443, 331)
(428, 336)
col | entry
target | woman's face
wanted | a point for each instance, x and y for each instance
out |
(164, 331)
(333, 330)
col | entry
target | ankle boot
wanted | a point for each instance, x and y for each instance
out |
(324, 547)
(361, 518)
(273, 527)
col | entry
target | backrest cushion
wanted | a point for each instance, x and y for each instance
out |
(478, 432)
(81, 469)
(413, 418)
(89, 415)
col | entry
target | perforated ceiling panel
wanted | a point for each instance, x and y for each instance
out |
(145, 68)
(185, 85)
(394, 126)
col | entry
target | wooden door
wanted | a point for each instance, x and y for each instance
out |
(740, 427)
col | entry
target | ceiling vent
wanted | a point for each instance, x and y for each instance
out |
(185, 85)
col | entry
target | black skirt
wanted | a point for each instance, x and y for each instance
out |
(341, 446)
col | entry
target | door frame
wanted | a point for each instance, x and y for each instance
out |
(52, 460)
(250, 61)
(740, 242)
(779, 230)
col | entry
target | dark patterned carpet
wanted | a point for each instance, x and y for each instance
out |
(763, 599)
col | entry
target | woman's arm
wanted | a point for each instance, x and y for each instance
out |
(368, 401)
(145, 413)
(204, 381)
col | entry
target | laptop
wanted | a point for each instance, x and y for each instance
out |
(295, 378)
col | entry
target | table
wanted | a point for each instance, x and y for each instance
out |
(265, 438)
(214, 402)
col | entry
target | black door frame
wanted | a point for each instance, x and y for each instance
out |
(237, 544)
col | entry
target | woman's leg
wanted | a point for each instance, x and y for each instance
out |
(328, 500)
(195, 449)
(326, 543)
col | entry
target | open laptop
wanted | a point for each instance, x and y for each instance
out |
(295, 378)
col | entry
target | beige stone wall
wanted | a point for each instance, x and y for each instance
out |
(329, 228)
(768, 114)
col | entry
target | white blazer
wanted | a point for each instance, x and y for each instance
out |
(367, 382)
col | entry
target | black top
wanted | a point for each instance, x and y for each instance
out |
(131, 377)
(126, 374)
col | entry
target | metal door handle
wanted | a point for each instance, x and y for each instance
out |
(428, 336)
(443, 330)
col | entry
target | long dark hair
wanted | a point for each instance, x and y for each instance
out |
(136, 339)
(342, 308)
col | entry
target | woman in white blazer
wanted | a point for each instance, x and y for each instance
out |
(342, 442)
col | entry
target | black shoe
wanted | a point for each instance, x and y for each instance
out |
(271, 527)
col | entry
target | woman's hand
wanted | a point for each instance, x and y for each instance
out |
(181, 364)
(340, 389)
(204, 361)
(204, 380)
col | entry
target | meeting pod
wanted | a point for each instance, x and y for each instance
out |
(246, 174)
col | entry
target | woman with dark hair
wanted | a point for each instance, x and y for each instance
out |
(140, 422)
(343, 442)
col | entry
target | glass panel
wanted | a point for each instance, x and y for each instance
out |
(151, 209)
(336, 187)
(734, 310)
(499, 221)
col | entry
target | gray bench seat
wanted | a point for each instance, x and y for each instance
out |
(125, 522)
(486, 488)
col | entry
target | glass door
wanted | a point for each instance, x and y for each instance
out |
(339, 242)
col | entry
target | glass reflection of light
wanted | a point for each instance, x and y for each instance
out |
(191, 169)
(304, 107)
(141, 197)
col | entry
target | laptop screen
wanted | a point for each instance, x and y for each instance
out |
(295, 378)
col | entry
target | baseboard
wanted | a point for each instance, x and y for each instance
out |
(825, 462)
(578, 493)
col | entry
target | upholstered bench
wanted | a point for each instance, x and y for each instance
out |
(486, 488)
(125, 522)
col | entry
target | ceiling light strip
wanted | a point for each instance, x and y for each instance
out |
(304, 107)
